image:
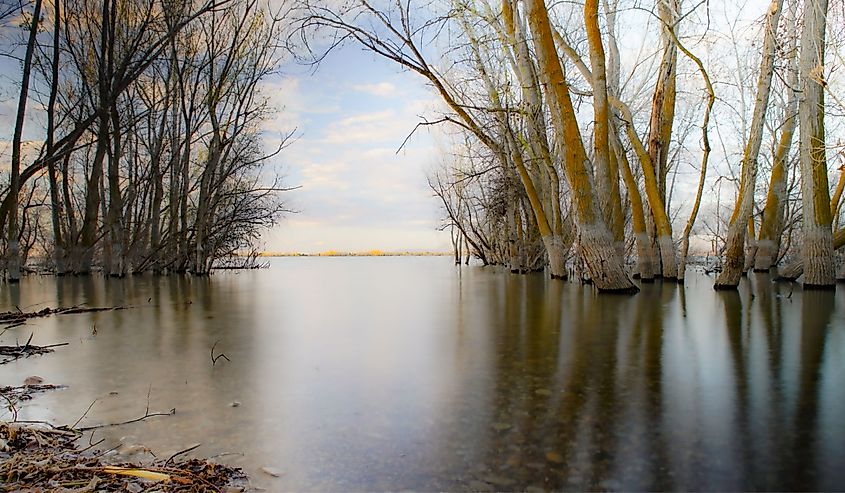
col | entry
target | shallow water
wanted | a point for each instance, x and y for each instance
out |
(410, 373)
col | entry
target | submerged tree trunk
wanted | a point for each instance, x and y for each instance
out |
(794, 269)
(663, 228)
(596, 240)
(817, 249)
(771, 227)
(735, 242)
(13, 254)
(55, 201)
(645, 254)
(660, 132)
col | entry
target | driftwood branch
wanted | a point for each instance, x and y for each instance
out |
(19, 317)
(26, 350)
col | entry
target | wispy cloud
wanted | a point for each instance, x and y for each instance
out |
(381, 89)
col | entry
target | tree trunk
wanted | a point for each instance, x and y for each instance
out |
(90, 223)
(606, 266)
(645, 254)
(817, 249)
(771, 227)
(115, 225)
(55, 201)
(663, 227)
(735, 242)
(13, 265)
(660, 128)
(705, 157)
(794, 269)
(601, 113)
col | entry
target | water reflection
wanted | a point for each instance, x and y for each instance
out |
(390, 374)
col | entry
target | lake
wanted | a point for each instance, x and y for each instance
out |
(400, 373)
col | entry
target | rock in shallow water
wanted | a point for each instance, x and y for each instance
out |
(33, 380)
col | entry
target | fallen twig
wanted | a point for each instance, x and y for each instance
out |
(221, 355)
(145, 416)
(177, 454)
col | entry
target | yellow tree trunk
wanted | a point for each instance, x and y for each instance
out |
(538, 144)
(605, 264)
(661, 220)
(771, 228)
(705, 156)
(554, 244)
(663, 117)
(613, 73)
(601, 115)
(645, 257)
(735, 242)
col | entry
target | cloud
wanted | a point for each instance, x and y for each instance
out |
(381, 89)
(357, 192)
(368, 129)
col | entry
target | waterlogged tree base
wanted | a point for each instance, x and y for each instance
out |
(818, 287)
(556, 251)
(667, 257)
(817, 256)
(606, 269)
(790, 272)
(766, 255)
(725, 287)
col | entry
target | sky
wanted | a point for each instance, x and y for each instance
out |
(359, 191)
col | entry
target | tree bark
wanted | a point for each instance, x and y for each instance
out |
(13, 265)
(596, 240)
(817, 249)
(735, 242)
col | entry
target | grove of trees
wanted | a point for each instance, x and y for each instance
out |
(581, 139)
(151, 156)
(601, 137)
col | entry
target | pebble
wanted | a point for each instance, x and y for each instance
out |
(33, 380)
(235, 404)
(554, 457)
(272, 472)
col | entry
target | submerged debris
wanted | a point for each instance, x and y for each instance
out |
(25, 351)
(43, 457)
(25, 392)
(19, 317)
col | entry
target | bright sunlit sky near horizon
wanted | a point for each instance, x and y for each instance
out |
(357, 193)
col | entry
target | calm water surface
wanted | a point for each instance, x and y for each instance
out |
(410, 373)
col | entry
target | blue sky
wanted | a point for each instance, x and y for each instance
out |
(357, 193)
